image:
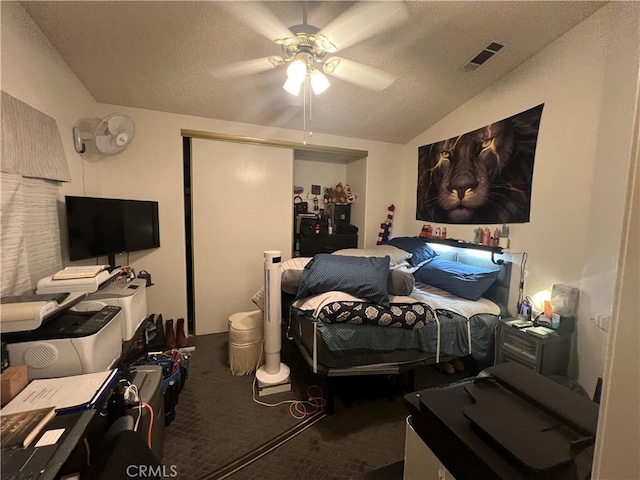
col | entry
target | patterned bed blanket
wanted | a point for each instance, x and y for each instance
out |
(409, 312)
(411, 316)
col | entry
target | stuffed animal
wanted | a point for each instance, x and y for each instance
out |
(351, 197)
(338, 195)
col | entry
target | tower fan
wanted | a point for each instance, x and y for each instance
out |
(273, 376)
(107, 136)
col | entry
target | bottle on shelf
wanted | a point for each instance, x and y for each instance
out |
(486, 237)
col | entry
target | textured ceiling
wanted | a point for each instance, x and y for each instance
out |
(162, 56)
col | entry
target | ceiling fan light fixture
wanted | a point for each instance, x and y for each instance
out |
(297, 71)
(319, 82)
(292, 86)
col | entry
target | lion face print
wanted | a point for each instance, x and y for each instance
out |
(480, 177)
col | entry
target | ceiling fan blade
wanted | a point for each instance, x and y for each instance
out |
(247, 67)
(358, 73)
(258, 17)
(364, 20)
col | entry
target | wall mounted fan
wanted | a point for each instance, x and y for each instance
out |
(308, 46)
(108, 136)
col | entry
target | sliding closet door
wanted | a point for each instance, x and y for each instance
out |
(241, 206)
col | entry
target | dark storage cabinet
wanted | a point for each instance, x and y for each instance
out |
(547, 356)
(310, 245)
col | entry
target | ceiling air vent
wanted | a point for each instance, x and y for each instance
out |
(479, 60)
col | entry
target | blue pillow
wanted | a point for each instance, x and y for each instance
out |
(465, 281)
(364, 277)
(421, 252)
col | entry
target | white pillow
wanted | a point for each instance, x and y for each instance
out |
(296, 263)
(395, 254)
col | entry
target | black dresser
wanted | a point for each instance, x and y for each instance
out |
(312, 244)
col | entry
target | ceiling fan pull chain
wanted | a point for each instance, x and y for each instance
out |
(310, 113)
(304, 112)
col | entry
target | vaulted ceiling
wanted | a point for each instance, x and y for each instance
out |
(165, 56)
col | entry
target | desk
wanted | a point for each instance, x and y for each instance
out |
(438, 418)
(45, 463)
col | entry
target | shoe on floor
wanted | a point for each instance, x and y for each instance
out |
(458, 364)
(447, 367)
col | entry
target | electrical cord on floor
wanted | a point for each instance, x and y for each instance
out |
(299, 409)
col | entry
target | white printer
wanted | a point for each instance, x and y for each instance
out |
(89, 284)
(65, 343)
(104, 290)
(130, 296)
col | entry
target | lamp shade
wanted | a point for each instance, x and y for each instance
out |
(297, 71)
(292, 86)
(538, 301)
(319, 82)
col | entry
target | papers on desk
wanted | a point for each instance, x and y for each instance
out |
(84, 271)
(66, 394)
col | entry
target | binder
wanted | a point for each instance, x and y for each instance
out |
(67, 394)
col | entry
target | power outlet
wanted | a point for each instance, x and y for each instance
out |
(602, 322)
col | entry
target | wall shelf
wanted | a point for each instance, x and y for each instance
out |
(452, 242)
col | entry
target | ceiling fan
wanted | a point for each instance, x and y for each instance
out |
(308, 50)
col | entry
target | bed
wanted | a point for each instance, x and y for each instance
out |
(335, 309)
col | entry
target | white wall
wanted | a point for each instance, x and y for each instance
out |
(618, 440)
(317, 172)
(357, 180)
(587, 80)
(33, 72)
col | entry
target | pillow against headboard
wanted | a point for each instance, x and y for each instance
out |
(291, 272)
(363, 277)
(396, 255)
(466, 281)
(499, 290)
(398, 282)
(420, 251)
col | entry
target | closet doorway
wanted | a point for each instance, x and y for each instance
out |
(238, 203)
(326, 171)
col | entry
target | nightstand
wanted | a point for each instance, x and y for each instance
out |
(547, 356)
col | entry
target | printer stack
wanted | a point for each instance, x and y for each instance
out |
(75, 326)
(72, 326)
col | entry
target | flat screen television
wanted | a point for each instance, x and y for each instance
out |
(98, 227)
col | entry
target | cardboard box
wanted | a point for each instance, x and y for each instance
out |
(12, 381)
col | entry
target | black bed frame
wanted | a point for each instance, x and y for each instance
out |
(392, 363)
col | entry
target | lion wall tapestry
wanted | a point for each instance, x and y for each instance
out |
(480, 177)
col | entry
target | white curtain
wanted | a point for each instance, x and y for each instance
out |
(30, 240)
(32, 164)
